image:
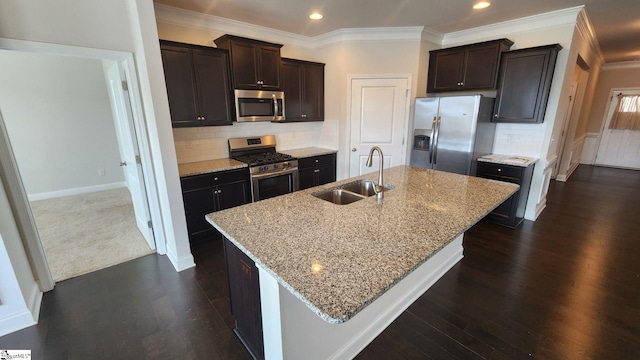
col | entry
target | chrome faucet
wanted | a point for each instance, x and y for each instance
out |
(379, 188)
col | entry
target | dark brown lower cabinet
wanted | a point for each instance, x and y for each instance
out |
(316, 170)
(244, 295)
(511, 212)
(206, 193)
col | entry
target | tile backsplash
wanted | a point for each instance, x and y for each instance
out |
(519, 139)
(210, 142)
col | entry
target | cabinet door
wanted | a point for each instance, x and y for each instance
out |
(213, 87)
(481, 67)
(306, 178)
(179, 77)
(524, 85)
(245, 65)
(326, 174)
(445, 70)
(313, 92)
(233, 194)
(292, 87)
(198, 203)
(269, 70)
(244, 296)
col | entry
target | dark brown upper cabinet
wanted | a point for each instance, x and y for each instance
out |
(468, 67)
(524, 84)
(254, 64)
(198, 84)
(303, 85)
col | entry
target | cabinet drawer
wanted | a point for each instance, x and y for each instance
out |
(500, 172)
(195, 182)
(313, 161)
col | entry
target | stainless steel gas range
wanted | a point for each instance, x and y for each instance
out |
(272, 173)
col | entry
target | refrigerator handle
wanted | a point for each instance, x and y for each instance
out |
(437, 136)
(432, 139)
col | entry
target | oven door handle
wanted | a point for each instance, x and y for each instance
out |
(275, 173)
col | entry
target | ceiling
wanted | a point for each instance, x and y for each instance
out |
(615, 22)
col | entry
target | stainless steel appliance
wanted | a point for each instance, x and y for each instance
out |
(451, 132)
(272, 173)
(258, 105)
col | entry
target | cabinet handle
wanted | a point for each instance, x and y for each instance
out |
(303, 115)
(316, 170)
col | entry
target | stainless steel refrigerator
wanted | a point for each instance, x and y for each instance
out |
(451, 132)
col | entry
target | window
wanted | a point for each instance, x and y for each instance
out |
(627, 113)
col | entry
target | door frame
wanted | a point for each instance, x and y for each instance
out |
(347, 141)
(564, 135)
(606, 118)
(9, 169)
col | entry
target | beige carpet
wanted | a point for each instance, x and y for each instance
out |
(88, 232)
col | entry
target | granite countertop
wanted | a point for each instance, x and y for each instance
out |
(209, 166)
(308, 152)
(337, 259)
(508, 160)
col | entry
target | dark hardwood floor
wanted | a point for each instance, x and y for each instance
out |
(564, 287)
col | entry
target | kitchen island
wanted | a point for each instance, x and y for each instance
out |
(332, 277)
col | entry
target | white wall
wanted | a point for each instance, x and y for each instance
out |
(59, 119)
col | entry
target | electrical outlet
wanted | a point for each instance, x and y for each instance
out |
(102, 172)
(513, 138)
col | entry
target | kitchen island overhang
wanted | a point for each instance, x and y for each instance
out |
(340, 260)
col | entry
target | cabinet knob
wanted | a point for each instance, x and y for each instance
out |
(317, 160)
(303, 115)
(219, 191)
(495, 116)
(316, 170)
(215, 178)
(354, 149)
(499, 169)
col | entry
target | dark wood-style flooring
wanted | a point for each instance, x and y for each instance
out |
(564, 287)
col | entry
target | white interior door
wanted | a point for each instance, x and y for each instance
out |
(379, 108)
(618, 148)
(129, 151)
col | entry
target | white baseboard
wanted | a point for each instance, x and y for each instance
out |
(25, 318)
(180, 264)
(76, 191)
(589, 149)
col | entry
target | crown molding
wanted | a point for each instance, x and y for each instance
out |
(192, 19)
(535, 22)
(585, 28)
(622, 65)
(367, 34)
(196, 20)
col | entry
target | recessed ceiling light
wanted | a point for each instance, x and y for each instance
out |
(315, 16)
(481, 5)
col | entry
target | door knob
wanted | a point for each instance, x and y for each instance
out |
(354, 149)
(123, 163)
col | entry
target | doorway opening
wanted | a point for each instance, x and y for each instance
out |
(70, 124)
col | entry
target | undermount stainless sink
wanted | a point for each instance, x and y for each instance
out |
(350, 192)
(339, 196)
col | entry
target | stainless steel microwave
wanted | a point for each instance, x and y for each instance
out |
(258, 105)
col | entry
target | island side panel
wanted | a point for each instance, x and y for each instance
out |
(244, 295)
(304, 335)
